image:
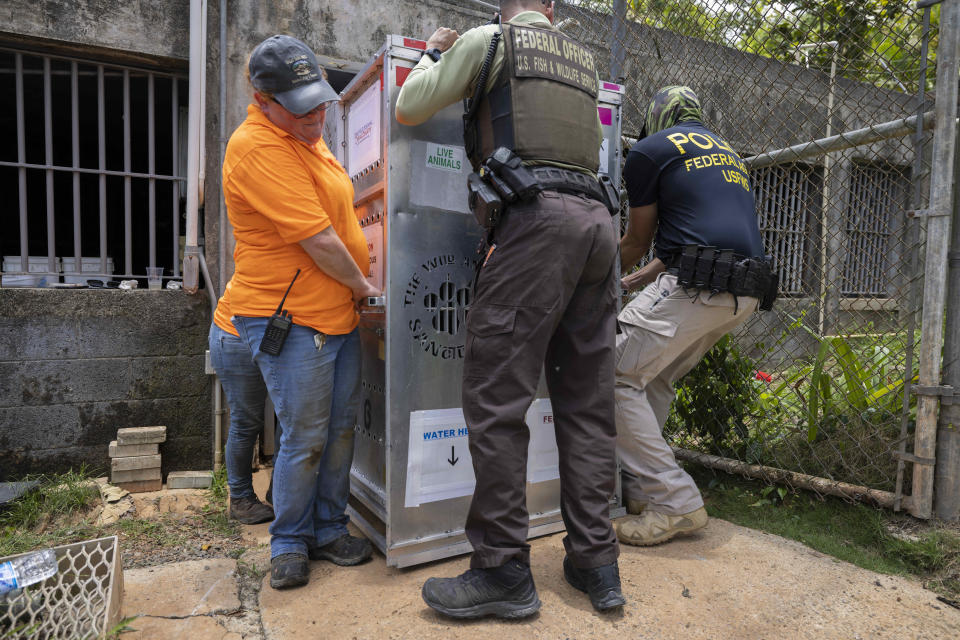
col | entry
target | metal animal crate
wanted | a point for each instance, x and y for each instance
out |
(412, 475)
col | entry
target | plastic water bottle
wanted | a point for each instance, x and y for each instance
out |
(28, 569)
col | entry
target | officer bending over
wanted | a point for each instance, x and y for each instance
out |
(690, 187)
(546, 294)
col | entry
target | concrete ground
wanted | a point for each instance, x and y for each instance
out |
(724, 582)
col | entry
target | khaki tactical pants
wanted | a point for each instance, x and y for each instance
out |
(545, 300)
(665, 331)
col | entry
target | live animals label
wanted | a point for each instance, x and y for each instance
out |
(445, 158)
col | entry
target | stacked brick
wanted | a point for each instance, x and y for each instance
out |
(135, 459)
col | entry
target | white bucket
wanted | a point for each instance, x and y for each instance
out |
(35, 264)
(89, 270)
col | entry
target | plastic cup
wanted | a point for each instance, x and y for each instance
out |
(154, 278)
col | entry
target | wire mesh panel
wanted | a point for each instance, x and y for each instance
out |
(821, 100)
(80, 602)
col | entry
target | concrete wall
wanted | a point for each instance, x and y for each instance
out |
(75, 366)
(139, 28)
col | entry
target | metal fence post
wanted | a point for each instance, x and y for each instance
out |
(946, 483)
(935, 268)
(618, 28)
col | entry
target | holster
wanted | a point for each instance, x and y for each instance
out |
(611, 195)
(484, 201)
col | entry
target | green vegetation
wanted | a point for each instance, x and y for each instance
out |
(50, 515)
(879, 40)
(874, 539)
(836, 413)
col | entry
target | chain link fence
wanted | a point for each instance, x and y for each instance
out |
(818, 389)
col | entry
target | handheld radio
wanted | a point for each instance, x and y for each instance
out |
(279, 326)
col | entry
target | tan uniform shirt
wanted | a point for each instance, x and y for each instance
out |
(431, 86)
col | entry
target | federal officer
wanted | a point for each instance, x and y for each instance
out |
(690, 189)
(546, 294)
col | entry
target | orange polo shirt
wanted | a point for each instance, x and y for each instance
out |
(222, 314)
(279, 191)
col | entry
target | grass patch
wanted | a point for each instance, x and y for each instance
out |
(218, 491)
(874, 539)
(52, 514)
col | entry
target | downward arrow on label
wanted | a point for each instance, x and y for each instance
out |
(453, 459)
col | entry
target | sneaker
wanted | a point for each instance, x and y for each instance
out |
(250, 511)
(289, 570)
(346, 551)
(506, 591)
(652, 527)
(602, 584)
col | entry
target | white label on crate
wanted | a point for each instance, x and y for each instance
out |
(363, 131)
(543, 460)
(439, 466)
(604, 157)
(446, 158)
(374, 235)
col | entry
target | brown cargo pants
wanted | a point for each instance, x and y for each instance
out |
(546, 297)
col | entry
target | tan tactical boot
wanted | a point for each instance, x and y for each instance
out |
(651, 528)
(635, 507)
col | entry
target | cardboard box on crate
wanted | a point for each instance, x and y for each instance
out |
(135, 459)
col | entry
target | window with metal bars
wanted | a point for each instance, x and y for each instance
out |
(784, 198)
(92, 158)
(878, 193)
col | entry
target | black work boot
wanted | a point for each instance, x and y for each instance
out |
(250, 511)
(346, 551)
(289, 570)
(602, 584)
(506, 591)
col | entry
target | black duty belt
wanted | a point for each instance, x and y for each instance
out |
(723, 270)
(568, 181)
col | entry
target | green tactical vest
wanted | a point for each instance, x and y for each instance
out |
(544, 104)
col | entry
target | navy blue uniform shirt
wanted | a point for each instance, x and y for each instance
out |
(701, 188)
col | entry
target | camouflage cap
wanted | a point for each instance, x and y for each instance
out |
(669, 106)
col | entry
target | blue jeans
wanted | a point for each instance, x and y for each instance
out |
(246, 394)
(316, 394)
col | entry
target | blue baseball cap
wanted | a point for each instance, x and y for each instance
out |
(288, 69)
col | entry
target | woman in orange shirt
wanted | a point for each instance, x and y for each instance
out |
(291, 207)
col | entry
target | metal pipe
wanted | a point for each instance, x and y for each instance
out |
(48, 154)
(618, 29)
(75, 157)
(867, 135)
(102, 164)
(222, 130)
(175, 170)
(947, 472)
(21, 157)
(913, 241)
(123, 174)
(217, 391)
(791, 478)
(191, 254)
(935, 272)
(127, 184)
(151, 168)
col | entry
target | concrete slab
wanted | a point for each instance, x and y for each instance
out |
(141, 435)
(189, 479)
(194, 628)
(181, 589)
(135, 463)
(140, 486)
(725, 582)
(124, 451)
